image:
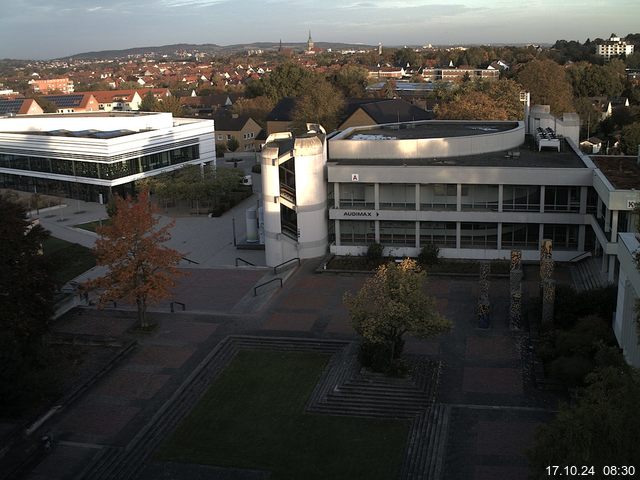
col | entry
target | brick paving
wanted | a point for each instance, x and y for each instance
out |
(481, 367)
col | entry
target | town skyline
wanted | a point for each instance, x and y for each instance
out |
(37, 30)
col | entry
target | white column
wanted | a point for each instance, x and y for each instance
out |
(542, 195)
(499, 236)
(607, 221)
(336, 195)
(500, 200)
(458, 198)
(458, 229)
(614, 226)
(377, 227)
(376, 199)
(417, 196)
(581, 237)
(540, 235)
(612, 268)
(336, 231)
(418, 235)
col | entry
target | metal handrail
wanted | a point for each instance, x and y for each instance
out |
(243, 260)
(190, 261)
(255, 289)
(275, 269)
(580, 257)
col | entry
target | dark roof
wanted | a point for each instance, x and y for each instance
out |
(228, 123)
(388, 110)
(65, 101)
(283, 111)
(622, 171)
(11, 106)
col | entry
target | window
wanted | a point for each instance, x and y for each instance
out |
(479, 235)
(562, 199)
(438, 196)
(357, 195)
(357, 232)
(220, 137)
(521, 198)
(228, 137)
(398, 196)
(520, 235)
(441, 234)
(480, 197)
(401, 234)
(564, 237)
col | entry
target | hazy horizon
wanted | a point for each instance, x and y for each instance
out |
(39, 29)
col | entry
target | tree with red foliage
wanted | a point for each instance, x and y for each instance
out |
(140, 268)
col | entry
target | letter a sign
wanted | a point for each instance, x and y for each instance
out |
(355, 177)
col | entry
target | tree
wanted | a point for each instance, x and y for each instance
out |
(548, 84)
(352, 80)
(26, 301)
(482, 100)
(321, 103)
(257, 108)
(393, 303)
(286, 80)
(149, 103)
(600, 429)
(404, 56)
(140, 268)
(631, 138)
(233, 144)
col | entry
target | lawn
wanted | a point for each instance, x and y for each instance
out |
(69, 259)
(252, 417)
(91, 226)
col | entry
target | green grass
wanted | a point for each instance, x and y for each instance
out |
(252, 417)
(68, 259)
(91, 226)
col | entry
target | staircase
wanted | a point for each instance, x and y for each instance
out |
(586, 275)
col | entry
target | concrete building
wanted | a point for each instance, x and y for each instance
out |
(89, 155)
(475, 189)
(625, 325)
(614, 47)
(57, 85)
(294, 196)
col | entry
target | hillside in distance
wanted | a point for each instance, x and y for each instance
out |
(209, 48)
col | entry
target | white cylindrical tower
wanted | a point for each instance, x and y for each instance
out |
(311, 195)
(271, 203)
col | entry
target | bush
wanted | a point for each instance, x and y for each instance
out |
(257, 168)
(571, 305)
(377, 357)
(571, 370)
(374, 252)
(429, 255)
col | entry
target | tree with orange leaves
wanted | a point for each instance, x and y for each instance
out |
(140, 268)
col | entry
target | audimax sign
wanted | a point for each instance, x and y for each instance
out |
(359, 213)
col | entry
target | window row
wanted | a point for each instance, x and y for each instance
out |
(105, 171)
(524, 236)
(441, 196)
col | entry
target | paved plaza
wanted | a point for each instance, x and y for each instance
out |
(490, 405)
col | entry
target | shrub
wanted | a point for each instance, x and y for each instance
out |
(374, 252)
(377, 357)
(429, 255)
(571, 370)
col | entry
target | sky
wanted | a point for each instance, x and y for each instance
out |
(43, 29)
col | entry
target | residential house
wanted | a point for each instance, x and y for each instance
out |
(74, 102)
(20, 106)
(281, 117)
(61, 85)
(241, 127)
(372, 111)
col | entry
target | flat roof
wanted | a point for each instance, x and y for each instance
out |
(622, 171)
(90, 114)
(101, 134)
(435, 129)
(525, 156)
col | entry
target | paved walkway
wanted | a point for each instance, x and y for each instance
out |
(493, 406)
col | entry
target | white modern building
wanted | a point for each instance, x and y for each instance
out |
(614, 47)
(625, 325)
(86, 155)
(476, 189)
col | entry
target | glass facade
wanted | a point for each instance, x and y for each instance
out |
(564, 237)
(441, 234)
(479, 235)
(399, 234)
(357, 195)
(521, 198)
(397, 196)
(480, 197)
(357, 232)
(520, 235)
(438, 196)
(562, 199)
(100, 170)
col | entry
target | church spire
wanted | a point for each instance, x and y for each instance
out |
(309, 43)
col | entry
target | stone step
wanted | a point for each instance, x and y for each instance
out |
(365, 411)
(350, 387)
(365, 401)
